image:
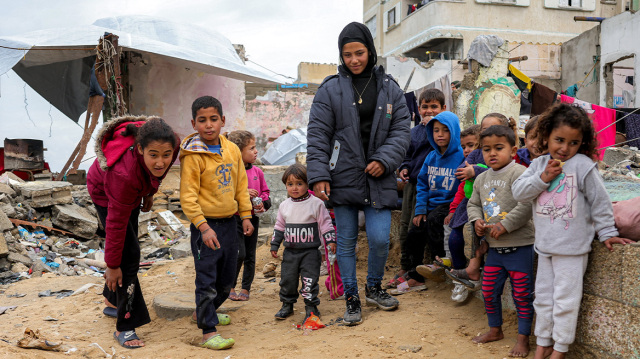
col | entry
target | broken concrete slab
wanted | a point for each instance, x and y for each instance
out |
(168, 218)
(4, 249)
(8, 209)
(5, 223)
(46, 193)
(174, 305)
(615, 155)
(19, 258)
(75, 219)
(6, 189)
(181, 250)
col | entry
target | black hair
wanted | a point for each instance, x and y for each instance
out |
(531, 126)
(499, 131)
(572, 116)
(429, 95)
(205, 102)
(241, 138)
(296, 170)
(473, 130)
(154, 129)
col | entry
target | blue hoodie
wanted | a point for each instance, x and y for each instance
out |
(437, 182)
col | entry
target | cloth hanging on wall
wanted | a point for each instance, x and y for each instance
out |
(602, 117)
(412, 105)
(542, 98)
(631, 125)
(522, 81)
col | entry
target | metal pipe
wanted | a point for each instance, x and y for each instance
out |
(519, 58)
(588, 18)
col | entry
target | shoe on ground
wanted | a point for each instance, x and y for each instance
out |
(285, 311)
(353, 314)
(379, 297)
(217, 342)
(431, 272)
(308, 309)
(323, 269)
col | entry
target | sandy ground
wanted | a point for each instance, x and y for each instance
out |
(428, 319)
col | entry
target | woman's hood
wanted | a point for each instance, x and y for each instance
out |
(358, 32)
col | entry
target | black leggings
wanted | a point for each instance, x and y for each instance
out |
(132, 310)
(247, 253)
(431, 233)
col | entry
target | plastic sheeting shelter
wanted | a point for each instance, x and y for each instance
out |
(57, 63)
(283, 150)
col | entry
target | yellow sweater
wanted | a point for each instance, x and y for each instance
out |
(212, 186)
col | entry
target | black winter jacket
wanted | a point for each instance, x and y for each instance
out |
(334, 146)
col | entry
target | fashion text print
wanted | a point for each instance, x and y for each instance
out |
(558, 200)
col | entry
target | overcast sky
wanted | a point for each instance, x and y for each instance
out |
(277, 35)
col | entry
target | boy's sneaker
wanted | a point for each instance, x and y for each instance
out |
(285, 311)
(379, 297)
(310, 309)
(353, 314)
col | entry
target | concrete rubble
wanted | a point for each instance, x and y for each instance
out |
(52, 227)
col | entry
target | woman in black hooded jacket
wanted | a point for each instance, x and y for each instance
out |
(357, 136)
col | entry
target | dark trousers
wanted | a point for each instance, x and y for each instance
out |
(247, 254)
(215, 270)
(456, 247)
(518, 267)
(431, 233)
(132, 310)
(300, 265)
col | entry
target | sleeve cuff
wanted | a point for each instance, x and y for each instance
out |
(198, 221)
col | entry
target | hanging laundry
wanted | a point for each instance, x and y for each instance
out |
(629, 80)
(572, 90)
(542, 98)
(632, 126)
(602, 118)
(412, 105)
(522, 81)
(525, 105)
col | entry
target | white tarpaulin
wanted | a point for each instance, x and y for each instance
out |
(283, 150)
(57, 62)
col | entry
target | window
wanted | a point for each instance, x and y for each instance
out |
(372, 24)
(391, 17)
(570, 3)
(506, 2)
(583, 5)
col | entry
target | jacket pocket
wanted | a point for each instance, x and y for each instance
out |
(335, 153)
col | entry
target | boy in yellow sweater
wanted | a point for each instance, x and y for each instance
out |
(213, 188)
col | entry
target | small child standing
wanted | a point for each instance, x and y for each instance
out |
(246, 142)
(303, 223)
(570, 205)
(506, 225)
(436, 188)
(213, 188)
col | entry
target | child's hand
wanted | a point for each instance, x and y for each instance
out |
(147, 203)
(479, 226)
(274, 254)
(247, 227)
(616, 240)
(552, 171)
(375, 169)
(447, 219)
(253, 193)
(259, 208)
(404, 175)
(332, 247)
(497, 230)
(419, 219)
(465, 172)
(209, 237)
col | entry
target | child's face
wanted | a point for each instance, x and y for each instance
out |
(355, 56)
(296, 187)
(441, 135)
(531, 143)
(249, 152)
(497, 151)
(208, 123)
(469, 143)
(490, 121)
(564, 142)
(429, 109)
(157, 157)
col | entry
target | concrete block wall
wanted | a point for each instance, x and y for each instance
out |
(278, 192)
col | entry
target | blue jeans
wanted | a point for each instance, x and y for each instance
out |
(378, 225)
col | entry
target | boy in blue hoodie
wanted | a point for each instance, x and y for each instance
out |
(436, 187)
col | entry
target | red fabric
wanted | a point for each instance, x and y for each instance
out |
(601, 117)
(457, 198)
(120, 189)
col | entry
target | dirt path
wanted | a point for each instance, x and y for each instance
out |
(428, 319)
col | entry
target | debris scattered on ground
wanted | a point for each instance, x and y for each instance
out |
(33, 340)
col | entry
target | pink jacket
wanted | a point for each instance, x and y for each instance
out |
(257, 182)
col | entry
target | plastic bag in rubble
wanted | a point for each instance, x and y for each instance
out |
(282, 151)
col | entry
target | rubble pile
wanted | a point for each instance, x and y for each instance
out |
(52, 227)
(623, 161)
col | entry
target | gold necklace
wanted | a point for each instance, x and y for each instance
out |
(365, 87)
